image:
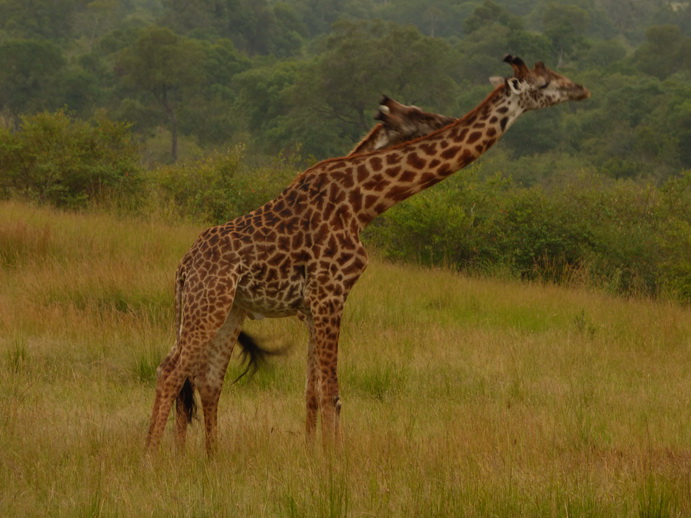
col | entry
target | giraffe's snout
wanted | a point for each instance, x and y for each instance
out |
(580, 92)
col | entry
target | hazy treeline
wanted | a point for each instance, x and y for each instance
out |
(180, 107)
(306, 74)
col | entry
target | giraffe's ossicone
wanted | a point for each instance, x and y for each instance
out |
(300, 254)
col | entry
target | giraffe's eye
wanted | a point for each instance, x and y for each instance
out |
(544, 86)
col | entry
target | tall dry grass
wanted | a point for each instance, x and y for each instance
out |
(462, 397)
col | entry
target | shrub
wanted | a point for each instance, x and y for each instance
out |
(217, 188)
(626, 236)
(54, 158)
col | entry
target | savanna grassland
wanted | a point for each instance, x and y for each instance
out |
(462, 396)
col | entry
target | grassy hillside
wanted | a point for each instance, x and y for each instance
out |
(462, 397)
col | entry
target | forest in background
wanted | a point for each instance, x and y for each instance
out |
(207, 108)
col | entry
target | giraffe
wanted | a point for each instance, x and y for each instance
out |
(300, 254)
(398, 123)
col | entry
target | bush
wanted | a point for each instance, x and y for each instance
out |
(217, 188)
(66, 162)
(622, 235)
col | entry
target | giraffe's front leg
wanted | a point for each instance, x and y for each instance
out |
(312, 384)
(326, 295)
(312, 393)
(326, 332)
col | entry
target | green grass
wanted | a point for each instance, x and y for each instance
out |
(462, 396)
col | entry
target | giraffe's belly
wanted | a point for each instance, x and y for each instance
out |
(279, 299)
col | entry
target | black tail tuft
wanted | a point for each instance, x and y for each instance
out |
(253, 354)
(186, 399)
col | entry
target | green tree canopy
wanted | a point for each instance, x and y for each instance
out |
(359, 62)
(29, 73)
(664, 51)
(42, 19)
(209, 111)
(254, 26)
(490, 12)
(565, 26)
(165, 65)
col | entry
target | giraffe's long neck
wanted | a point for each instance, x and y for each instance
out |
(386, 178)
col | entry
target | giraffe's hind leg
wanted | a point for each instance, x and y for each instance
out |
(210, 378)
(163, 368)
(170, 380)
(201, 318)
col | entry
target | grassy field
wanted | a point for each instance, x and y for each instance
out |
(462, 397)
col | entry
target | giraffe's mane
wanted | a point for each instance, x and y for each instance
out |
(376, 129)
(456, 122)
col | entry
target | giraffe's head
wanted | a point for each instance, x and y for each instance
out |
(399, 123)
(540, 87)
(408, 122)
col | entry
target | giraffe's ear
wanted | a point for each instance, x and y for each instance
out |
(497, 80)
(515, 85)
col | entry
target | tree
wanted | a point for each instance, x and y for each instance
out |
(166, 66)
(41, 19)
(261, 97)
(210, 114)
(490, 12)
(565, 26)
(530, 44)
(95, 19)
(664, 51)
(334, 97)
(29, 73)
(436, 18)
(603, 54)
(256, 27)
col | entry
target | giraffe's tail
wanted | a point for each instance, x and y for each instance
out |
(253, 354)
(186, 399)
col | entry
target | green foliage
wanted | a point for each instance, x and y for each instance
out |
(255, 26)
(664, 52)
(635, 127)
(164, 65)
(602, 54)
(59, 160)
(565, 26)
(161, 62)
(204, 190)
(256, 78)
(332, 96)
(261, 96)
(44, 19)
(216, 188)
(675, 238)
(623, 236)
(490, 12)
(524, 43)
(208, 112)
(29, 71)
